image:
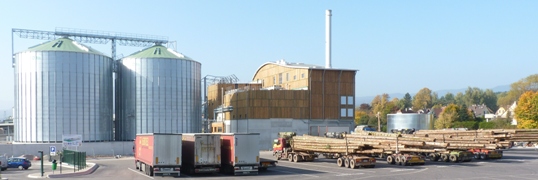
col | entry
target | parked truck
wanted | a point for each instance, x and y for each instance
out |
(283, 149)
(266, 163)
(240, 153)
(201, 153)
(158, 154)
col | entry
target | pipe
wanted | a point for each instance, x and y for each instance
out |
(328, 38)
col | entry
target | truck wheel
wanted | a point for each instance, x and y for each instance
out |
(346, 162)
(453, 158)
(295, 158)
(476, 156)
(433, 157)
(340, 162)
(397, 160)
(390, 159)
(483, 156)
(278, 156)
(444, 157)
(352, 163)
(290, 157)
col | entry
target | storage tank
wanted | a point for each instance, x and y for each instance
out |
(62, 87)
(409, 121)
(158, 91)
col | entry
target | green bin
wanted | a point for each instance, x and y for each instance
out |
(54, 164)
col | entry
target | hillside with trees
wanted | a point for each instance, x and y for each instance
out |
(455, 112)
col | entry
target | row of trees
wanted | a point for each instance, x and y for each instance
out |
(456, 113)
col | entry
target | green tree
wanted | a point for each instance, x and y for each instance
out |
(445, 119)
(527, 110)
(490, 100)
(529, 83)
(382, 105)
(449, 99)
(464, 114)
(435, 99)
(476, 96)
(459, 99)
(406, 101)
(423, 99)
(361, 117)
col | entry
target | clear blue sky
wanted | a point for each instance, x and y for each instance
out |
(397, 46)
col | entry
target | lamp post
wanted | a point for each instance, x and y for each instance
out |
(41, 157)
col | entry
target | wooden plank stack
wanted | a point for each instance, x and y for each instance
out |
(423, 141)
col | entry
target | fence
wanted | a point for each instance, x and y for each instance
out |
(77, 159)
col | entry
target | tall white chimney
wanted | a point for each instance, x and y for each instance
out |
(328, 38)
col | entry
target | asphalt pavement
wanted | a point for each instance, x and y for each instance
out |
(517, 163)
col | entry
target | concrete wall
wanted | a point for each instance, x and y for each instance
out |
(91, 148)
(269, 128)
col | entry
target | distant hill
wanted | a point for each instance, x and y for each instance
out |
(368, 99)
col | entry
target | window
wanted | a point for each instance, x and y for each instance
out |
(294, 77)
(343, 112)
(350, 100)
(280, 78)
(219, 129)
(343, 100)
(350, 112)
(302, 75)
(274, 80)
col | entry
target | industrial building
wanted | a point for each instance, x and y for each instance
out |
(62, 87)
(157, 91)
(284, 96)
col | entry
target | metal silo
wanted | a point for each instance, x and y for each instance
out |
(409, 121)
(157, 91)
(62, 87)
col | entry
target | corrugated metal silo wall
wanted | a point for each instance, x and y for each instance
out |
(409, 121)
(58, 92)
(157, 95)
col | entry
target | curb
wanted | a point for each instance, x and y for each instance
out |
(90, 170)
(80, 173)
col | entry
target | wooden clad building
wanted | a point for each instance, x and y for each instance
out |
(288, 90)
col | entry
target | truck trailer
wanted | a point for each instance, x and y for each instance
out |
(284, 147)
(158, 154)
(240, 153)
(201, 153)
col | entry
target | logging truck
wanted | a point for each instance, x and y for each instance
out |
(284, 148)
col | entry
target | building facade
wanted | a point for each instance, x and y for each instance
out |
(305, 99)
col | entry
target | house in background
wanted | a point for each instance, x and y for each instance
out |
(482, 111)
(507, 112)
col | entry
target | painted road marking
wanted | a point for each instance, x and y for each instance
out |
(400, 170)
(138, 172)
(349, 174)
(328, 165)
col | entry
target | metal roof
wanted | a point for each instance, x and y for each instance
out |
(63, 44)
(158, 51)
(283, 63)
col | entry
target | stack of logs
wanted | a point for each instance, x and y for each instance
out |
(424, 141)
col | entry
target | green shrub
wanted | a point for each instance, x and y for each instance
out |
(465, 124)
(487, 125)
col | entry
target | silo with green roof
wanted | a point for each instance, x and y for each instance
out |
(158, 90)
(62, 88)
